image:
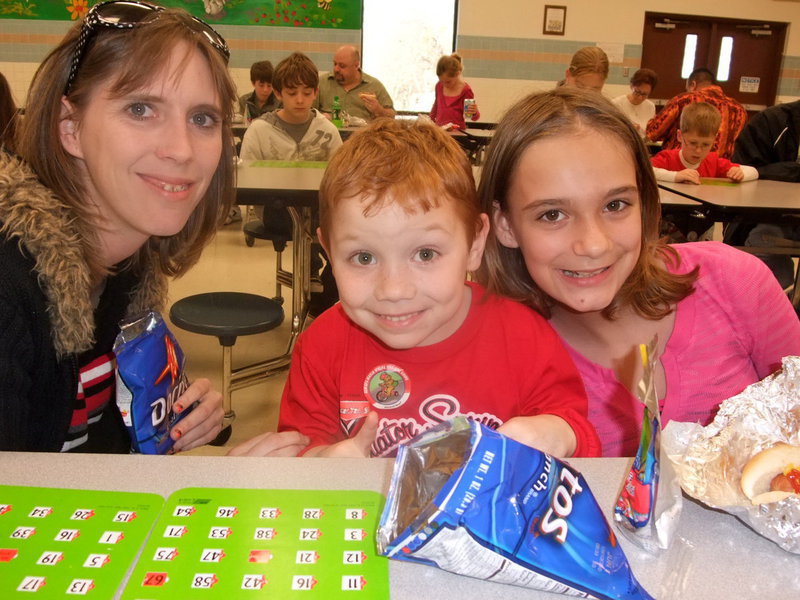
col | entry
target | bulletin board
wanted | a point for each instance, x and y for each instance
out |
(337, 14)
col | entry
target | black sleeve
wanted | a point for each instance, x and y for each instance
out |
(756, 147)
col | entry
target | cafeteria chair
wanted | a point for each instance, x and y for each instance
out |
(274, 226)
(227, 315)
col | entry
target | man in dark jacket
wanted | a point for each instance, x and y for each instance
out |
(770, 142)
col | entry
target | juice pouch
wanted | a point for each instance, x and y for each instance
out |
(649, 505)
(150, 378)
(469, 500)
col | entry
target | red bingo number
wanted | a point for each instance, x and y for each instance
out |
(153, 579)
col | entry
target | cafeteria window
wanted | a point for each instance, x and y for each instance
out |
(401, 47)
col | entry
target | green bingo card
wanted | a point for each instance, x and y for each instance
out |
(232, 543)
(59, 543)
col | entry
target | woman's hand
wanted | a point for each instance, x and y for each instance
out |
(285, 443)
(204, 423)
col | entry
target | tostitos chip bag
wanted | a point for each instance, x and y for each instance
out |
(150, 378)
(469, 500)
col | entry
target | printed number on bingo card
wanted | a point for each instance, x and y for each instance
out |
(50, 558)
(23, 533)
(30, 584)
(269, 513)
(80, 587)
(264, 533)
(303, 582)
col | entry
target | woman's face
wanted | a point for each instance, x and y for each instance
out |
(148, 157)
(639, 93)
(575, 214)
(585, 81)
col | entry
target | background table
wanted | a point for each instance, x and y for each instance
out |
(716, 555)
(294, 186)
(760, 199)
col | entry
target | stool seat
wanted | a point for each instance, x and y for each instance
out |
(226, 315)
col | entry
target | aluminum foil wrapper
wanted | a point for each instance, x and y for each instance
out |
(709, 460)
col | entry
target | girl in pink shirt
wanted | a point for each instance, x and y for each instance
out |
(451, 92)
(575, 235)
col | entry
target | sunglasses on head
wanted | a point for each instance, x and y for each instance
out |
(127, 14)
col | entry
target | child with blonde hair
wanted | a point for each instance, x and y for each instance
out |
(699, 125)
(451, 92)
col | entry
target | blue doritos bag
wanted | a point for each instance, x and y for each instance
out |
(469, 500)
(150, 378)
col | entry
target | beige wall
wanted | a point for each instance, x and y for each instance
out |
(595, 21)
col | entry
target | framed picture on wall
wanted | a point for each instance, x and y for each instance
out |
(555, 19)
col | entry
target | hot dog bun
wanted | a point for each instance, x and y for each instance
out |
(763, 467)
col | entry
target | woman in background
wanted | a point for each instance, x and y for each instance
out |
(635, 104)
(588, 69)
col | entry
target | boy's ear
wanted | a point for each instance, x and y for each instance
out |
(324, 245)
(478, 244)
(316, 92)
(277, 94)
(680, 137)
(502, 228)
(68, 130)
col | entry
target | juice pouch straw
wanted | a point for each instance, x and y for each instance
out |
(649, 504)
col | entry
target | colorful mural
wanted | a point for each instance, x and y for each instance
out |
(340, 14)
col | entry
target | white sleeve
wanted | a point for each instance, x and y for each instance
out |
(664, 174)
(750, 173)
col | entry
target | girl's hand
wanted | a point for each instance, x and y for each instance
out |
(285, 443)
(355, 447)
(204, 423)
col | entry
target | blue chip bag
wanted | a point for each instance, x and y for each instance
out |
(150, 377)
(469, 500)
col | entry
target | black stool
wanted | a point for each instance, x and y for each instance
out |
(276, 226)
(226, 315)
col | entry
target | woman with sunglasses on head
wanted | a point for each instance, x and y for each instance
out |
(125, 169)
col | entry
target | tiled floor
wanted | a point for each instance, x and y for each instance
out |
(228, 264)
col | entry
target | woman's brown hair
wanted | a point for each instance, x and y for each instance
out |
(129, 58)
(650, 289)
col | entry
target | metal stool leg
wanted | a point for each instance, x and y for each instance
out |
(227, 404)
